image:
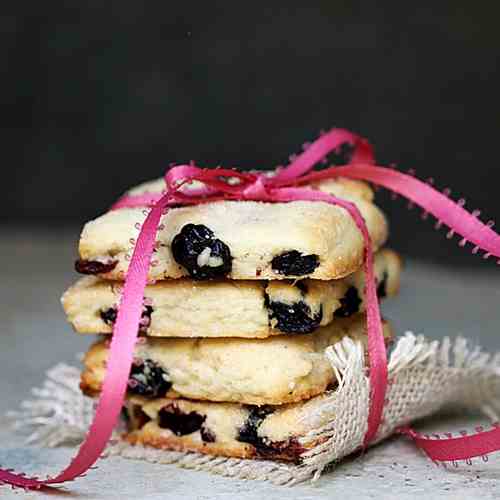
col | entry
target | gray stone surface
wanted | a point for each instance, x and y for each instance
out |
(37, 266)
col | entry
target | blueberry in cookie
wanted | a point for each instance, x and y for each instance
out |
(294, 318)
(172, 418)
(248, 433)
(203, 255)
(293, 263)
(84, 266)
(109, 317)
(148, 379)
(350, 303)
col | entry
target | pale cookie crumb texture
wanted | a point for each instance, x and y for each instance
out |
(238, 308)
(277, 370)
(240, 240)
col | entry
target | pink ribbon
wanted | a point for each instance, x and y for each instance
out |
(283, 187)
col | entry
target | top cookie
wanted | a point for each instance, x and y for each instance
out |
(239, 240)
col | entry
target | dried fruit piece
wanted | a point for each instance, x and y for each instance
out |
(265, 448)
(203, 255)
(293, 263)
(148, 379)
(83, 266)
(294, 318)
(171, 417)
(109, 317)
(207, 435)
(349, 303)
(248, 432)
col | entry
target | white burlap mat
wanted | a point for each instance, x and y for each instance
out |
(424, 378)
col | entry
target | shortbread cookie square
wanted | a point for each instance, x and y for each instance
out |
(236, 308)
(277, 370)
(240, 239)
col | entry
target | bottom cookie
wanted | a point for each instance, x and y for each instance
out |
(226, 429)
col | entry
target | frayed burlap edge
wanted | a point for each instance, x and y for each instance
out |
(424, 377)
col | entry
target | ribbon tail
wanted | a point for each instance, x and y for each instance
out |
(471, 229)
(377, 353)
(456, 448)
(432, 201)
(118, 363)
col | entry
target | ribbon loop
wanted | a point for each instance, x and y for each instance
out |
(257, 190)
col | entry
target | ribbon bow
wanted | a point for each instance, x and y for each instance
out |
(286, 185)
(231, 184)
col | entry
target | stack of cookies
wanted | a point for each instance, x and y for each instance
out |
(243, 298)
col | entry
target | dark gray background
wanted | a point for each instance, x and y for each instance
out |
(97, 96)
